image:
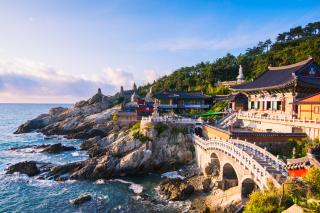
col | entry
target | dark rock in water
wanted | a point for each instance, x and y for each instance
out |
(27, 167)
(82, 199)
(31, 125)
(56, 148)
(67, 168)
(206, 185)
(175, 189)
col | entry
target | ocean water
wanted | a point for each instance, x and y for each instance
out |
(19, 193)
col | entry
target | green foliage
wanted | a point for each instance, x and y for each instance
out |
(175, 130)
(141, 137)
(135, 128)
(303, 192)
(300, 147)
(219, 106)
(263, 202)
(192, 149)
(160, 127)
(115, 117)
(312, 179)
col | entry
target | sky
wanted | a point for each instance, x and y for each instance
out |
(62, 51)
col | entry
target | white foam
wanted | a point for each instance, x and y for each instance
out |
(136, 188)
(172, 175)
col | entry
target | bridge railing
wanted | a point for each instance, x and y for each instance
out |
(260, 173)
(169, 119)
(263, 153)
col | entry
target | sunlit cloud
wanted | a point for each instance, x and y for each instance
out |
(20, 79)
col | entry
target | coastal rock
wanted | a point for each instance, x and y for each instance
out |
(67, 168)
(87, 144)
(206, 185)
(57, 148)
(82, 199)
(27, 167)
(84, 120)
(130, 156)
(175, 189)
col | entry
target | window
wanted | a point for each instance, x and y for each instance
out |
(278, 105)
(317, 109)
(268, 105)
(252, 105)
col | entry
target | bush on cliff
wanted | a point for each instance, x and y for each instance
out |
(160, 128)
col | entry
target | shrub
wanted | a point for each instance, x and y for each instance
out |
(135, 128)
(140, 137)
(312, 179)
(178, 129)
(160, 127)
(115, 117)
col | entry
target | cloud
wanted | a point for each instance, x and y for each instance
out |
(150, 75)
(28, 80)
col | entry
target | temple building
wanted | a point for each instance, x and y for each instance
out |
(309, 107)
(278, 88)
(181, 102)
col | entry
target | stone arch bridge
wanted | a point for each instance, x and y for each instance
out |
(240, 163)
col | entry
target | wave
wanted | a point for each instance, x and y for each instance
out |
(136, 188)
(172, 175)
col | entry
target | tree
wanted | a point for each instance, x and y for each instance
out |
(312, 179)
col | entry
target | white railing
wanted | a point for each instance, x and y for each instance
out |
(263, 153)
(283, 119)
(167, 119)
(168, 106)
(260, 173)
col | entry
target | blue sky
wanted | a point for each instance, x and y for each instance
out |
(61, 51)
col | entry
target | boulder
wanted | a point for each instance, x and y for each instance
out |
(87, 144)
(57, 148)
(81, 199)
(27, 167)
(175, 189)
(206, 185)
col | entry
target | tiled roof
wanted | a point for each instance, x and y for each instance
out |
(277, 77)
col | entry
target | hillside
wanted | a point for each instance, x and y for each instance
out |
(289, 47)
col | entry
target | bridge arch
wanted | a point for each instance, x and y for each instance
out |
(230, 178)
(248, 185)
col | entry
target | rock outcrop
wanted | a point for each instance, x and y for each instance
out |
(113, 149)
(46, 148)
(82, 199)
(84, 120)
(57, 148)
(27, 167)
(128, 155)
(175, 189)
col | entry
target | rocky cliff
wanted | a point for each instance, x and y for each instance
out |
(114, 150)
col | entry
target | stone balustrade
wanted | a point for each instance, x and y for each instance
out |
(263, 153)
(168, 119)
(283, 119)
(232, 149)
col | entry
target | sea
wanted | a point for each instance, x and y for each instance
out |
(20, 193)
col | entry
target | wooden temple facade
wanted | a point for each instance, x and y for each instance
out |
(278, 88)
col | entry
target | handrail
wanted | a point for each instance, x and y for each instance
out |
(264, 152)
(248, 161)
(292, 120)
